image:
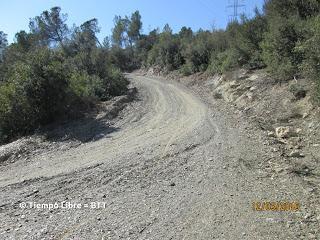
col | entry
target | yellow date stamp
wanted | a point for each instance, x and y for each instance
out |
(276, 206)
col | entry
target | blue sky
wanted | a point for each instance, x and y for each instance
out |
(15, 14)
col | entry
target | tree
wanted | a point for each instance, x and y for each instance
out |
(50, 27)
(290, 8)
(3, 42)
(186, 33)
(167, 29)
(286, 30)
(134, 27)
(118, 32)
(46, 75)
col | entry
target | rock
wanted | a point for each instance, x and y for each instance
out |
(298, 130)
(312, 236)
(172, 184)
(310, 190)
(252, 89)
(270, 134)
(233, 84)
(305, 115)
(253, 77)
(295, 153)
(285, 132)
(279, 169)
(249, 96)
(307, 216)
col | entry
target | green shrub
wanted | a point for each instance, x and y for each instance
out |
(116, 84)
(278, 47)
(87, 86)
(222, 62)
(185, 69)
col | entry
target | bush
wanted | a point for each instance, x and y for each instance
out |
(222, 62)
(116, 84)
(278, 48)
(166, 52)
(86, 86)
(33, 94)
(186, 69)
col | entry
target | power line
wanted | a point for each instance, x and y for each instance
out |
(236, 7)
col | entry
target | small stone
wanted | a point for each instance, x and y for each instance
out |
(308, 215)
(279, 169)
(311, 236)
(310, 189)
(172, 184)
(305, 115)
(284, 132)
(295, 153)
(270, 134)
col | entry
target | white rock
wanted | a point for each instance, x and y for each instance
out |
(284, 132)
(270, 134)
(295, 153)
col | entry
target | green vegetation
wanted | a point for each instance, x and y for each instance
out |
(52, 70)
(283, 37)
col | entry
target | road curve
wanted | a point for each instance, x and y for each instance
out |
(175, 168)
(169, 120)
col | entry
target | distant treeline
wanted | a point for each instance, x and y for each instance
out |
(284, 37)
(54, 70)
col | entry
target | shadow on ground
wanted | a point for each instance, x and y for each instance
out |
(83, 130)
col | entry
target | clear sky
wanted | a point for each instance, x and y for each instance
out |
(15, 14)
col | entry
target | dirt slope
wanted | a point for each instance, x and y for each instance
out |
(174, 167)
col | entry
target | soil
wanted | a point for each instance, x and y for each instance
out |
(175, 163)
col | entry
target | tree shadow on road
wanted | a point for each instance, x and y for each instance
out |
(84, 130)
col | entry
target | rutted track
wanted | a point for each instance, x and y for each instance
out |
(174, 169)
(170, 115)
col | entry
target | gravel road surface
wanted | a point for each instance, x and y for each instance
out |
(172, 167)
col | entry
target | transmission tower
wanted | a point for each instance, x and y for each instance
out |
(236, 6)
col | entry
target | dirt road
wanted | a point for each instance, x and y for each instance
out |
(172, 167)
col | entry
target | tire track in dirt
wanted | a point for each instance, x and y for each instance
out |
(165, 121)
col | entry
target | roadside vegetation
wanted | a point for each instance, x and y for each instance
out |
(283, 37)
(55, 71)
